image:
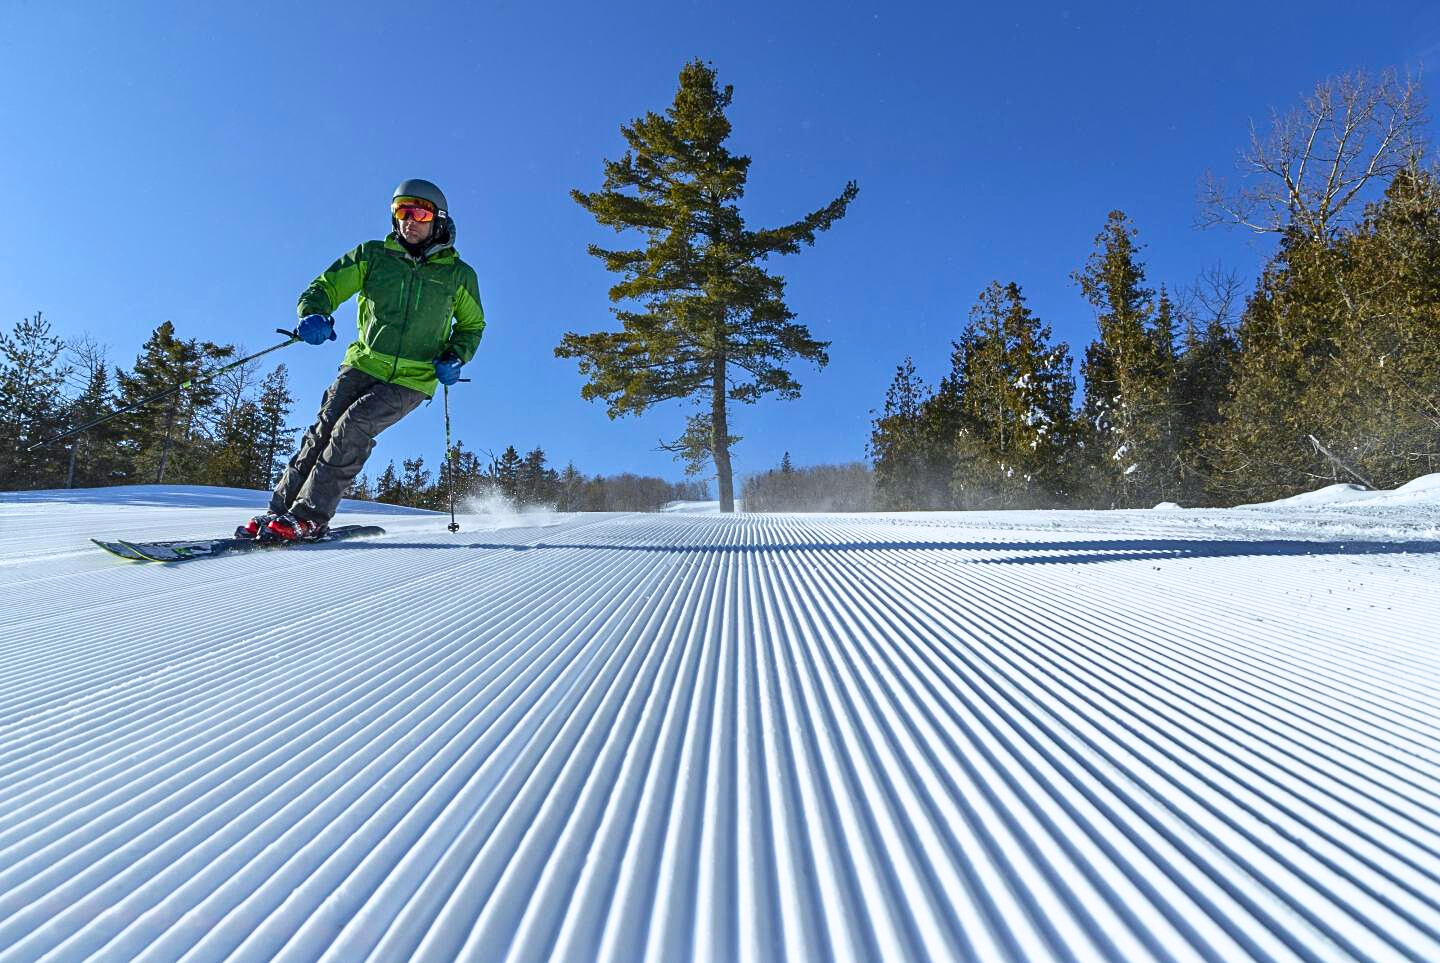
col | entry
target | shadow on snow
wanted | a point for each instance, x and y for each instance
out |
(1024, 553)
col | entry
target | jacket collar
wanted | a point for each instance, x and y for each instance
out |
(440, 252)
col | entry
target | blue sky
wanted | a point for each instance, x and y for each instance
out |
(186, 162)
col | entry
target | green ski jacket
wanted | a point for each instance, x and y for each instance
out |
(407, 304)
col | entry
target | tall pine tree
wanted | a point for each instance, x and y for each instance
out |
(570, 490)
(911, 444)
(1129, 372)
(713, 327)
(167, 438)
(275, 442)
(1016, 430)
(536, 483)
(388, 488)
(505, 473)
(415, 484)
(1204, 372)
(32, 407)
(233, 461)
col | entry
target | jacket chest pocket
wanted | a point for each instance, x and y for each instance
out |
(386, 285)
(433, 298)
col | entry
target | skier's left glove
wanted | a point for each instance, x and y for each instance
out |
(316, 329)
(447, 369)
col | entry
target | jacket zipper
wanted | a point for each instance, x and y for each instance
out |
(404, 318)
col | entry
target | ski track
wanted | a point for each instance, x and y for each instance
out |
(676, 737)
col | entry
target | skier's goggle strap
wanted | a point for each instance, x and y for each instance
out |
(412, 209)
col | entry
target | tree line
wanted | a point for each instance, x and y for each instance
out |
(229, 431)
(813, 488)
(1326, 370)
(520, 481)
(232, 431)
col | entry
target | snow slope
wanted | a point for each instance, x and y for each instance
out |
(1190, 735)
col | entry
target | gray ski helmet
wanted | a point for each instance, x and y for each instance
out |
(425, 190)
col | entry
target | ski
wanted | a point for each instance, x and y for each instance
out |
(116, 548)
(185, 549)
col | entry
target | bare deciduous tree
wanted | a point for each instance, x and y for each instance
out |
(1215, 296)
(87, 357)
(235, 387)
(1315, 161)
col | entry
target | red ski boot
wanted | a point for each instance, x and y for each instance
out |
(288, 528)
(254, 527)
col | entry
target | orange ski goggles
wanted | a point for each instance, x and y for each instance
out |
(412, 209)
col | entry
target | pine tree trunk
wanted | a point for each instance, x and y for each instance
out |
(720, 438)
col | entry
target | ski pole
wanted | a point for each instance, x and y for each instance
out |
(454, 526)
(198, 379)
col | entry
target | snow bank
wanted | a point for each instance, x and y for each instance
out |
(1424, 490)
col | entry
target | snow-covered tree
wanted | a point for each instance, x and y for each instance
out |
(1014, 393)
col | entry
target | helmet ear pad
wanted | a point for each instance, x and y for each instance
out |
(444, 229)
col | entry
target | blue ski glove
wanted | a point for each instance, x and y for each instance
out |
(316, 329)
(447, 369)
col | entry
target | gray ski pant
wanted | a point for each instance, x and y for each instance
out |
(356, 408)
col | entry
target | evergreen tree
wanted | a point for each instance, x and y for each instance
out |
(274, 442)
(1336, 379)
(570, 490)
(1384, 399)
(415, 484)
(1014, 391)
(32, 407)
(230, 458)
(1166, 421)
(1256, 448)
(388, 488)
(168, 437)
(506, 473)
(1129, 371)
(714, 327)
(910, 446)
(785, 487)
(360, 489)
(233, 461)
(1339, 376)
(536, 483)
(467, 472)
(1204, 372)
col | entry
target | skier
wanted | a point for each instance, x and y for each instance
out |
(412, 286)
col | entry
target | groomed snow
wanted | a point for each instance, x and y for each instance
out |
(1185, 734)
